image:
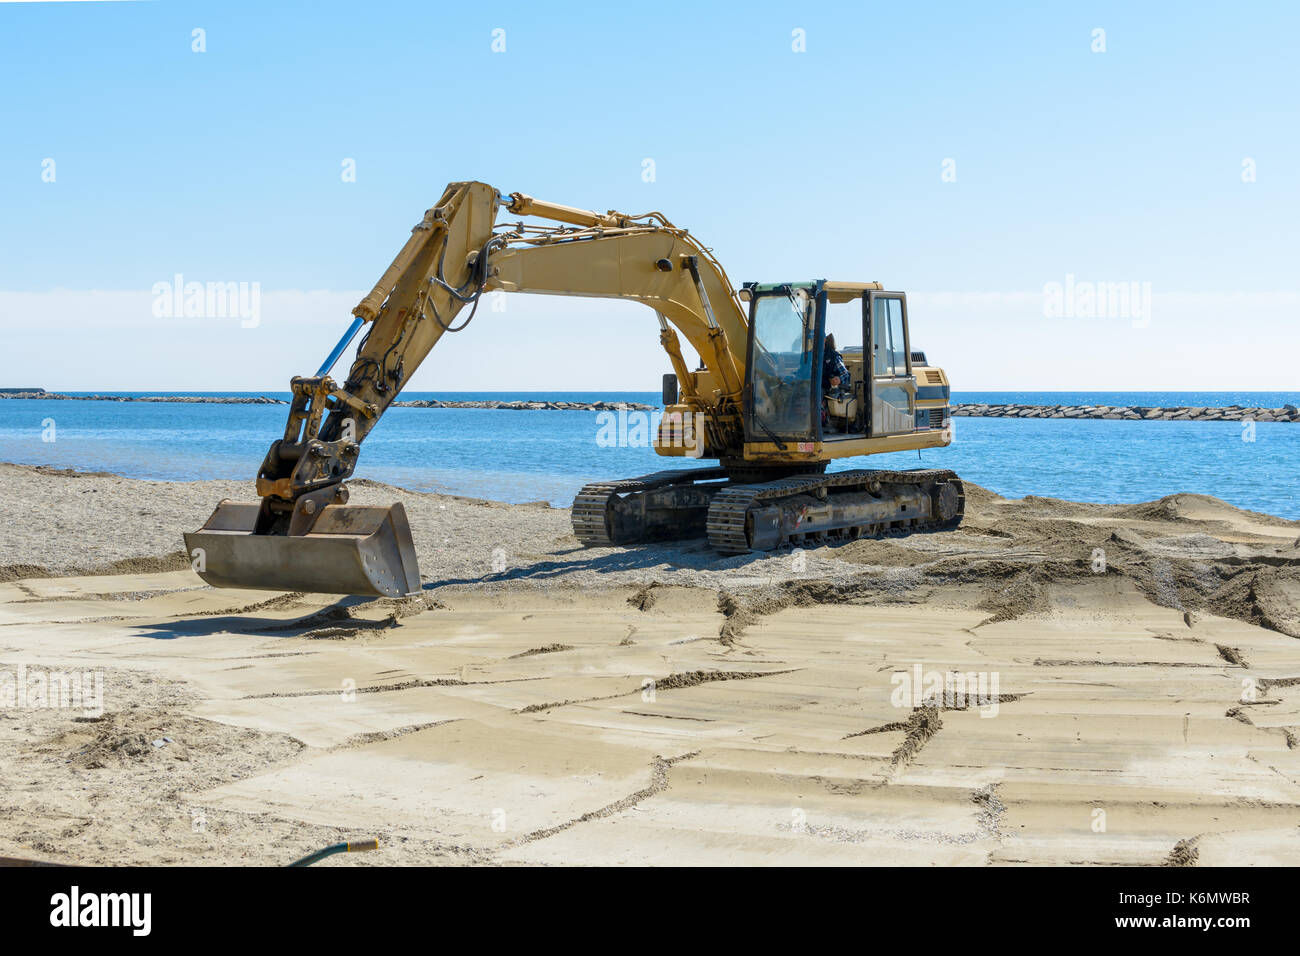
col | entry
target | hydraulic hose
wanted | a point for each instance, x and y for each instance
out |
(310, 858)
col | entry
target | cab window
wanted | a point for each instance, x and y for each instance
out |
(890, 344)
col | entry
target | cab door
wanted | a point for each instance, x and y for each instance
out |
(783, 375)
(887, 365)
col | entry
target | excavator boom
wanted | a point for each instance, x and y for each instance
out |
(302, 535)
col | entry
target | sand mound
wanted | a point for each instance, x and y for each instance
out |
(978, 497)
(881, 552)
(176, 561)
(1058, 507)
(1201, 508)
(644, 598)
(1265, 596)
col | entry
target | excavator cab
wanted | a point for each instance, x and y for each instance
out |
(783, 374)
(783, 388)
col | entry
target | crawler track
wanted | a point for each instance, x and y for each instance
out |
(795, 508)
(739, 517)
(600, 508)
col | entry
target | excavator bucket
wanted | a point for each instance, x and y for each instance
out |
(351, 549)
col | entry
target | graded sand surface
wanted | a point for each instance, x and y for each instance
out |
(1138, 666)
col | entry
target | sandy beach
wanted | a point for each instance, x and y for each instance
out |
(1138, 670)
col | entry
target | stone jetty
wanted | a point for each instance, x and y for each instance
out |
(534, 406)
(1134, 413)
(186, 399)
(599, 406)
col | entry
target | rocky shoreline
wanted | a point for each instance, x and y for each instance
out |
(1226, 413)
(600, 406)
(185, 399)
(533, 406)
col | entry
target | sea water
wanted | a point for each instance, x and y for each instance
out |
(530, 455)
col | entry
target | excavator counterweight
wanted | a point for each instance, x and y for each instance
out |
(760, 404)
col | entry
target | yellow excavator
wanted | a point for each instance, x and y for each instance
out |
(757, 404)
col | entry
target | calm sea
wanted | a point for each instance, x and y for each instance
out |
(540, 455)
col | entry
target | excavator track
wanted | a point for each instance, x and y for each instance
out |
(663, 505)
(832, 507)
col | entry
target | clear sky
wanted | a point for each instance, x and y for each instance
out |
(970, 154)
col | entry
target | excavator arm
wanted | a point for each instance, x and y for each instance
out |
(301, 535)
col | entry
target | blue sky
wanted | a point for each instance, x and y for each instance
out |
(1117, 166)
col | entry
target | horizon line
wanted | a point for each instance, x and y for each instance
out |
(596, 391)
